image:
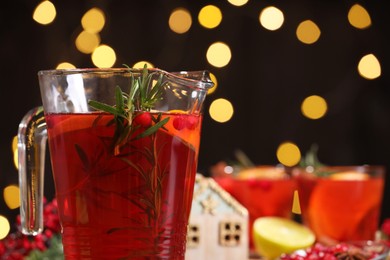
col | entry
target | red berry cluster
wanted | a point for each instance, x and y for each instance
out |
(17, 245)
(190, 122)
(180, 122)
(337, 252)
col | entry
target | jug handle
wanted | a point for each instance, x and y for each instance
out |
(32, 137)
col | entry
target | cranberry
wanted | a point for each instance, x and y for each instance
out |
(329, 256)
(386, 226)
(11, 243)
(26, 244)
(265, 185)
(52, 222)
(342, 247)
(18, 220)
(179, 123)
(15, 256)
(54, 203)
(2, 248)
(192, 122)
(144, 119)
(252, 183)
(48, 233)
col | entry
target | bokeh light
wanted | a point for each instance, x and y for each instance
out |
(65, 65)
(238, 2)
(215, 81)
(180, 20)
(359, 17)
(314, 107)
(288, 154)
(86, 42)
(369, 67)
(16, 159)
(45, 13)
(221, 110)
(103, 57)
(219, 54)
(15, 151)
(93, 20)
(4, 227)
(308, 32)
(141, 64)
(11, 196)
(271, 18)
(210, 16)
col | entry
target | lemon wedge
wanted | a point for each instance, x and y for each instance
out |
(274, 236)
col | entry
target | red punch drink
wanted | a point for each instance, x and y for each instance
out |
(128, 205)
(263, 190)
(124, 145)
(341, 203)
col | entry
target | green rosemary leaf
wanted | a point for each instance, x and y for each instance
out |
(83, 157)
(123, 134)
(119, 100)
(136, 167)
(148, 203)
(156, 120)
(134, 88)
(143, 83)
(152, 129)
(133, 91)
(156, 93)
(104, 107)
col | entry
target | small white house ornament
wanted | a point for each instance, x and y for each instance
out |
(218, 226)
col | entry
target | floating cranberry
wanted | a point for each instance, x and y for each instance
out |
(179, 123)
(144, 119)
(192, 122)
(252, 183)
(262, 184)
(265, 185)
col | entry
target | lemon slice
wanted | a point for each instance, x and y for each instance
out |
(274, 236)
(349, 176)
(262, 172)
(177, 111)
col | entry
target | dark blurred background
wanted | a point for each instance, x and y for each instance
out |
(269, 75)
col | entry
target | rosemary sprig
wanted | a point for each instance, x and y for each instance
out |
(141, 97)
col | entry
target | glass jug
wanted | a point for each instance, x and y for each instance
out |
(123, 146)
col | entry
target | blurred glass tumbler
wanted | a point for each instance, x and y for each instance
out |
(124, 186)
(263, 190)
(341, 203)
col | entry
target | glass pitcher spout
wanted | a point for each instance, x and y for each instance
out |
(201, 78)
